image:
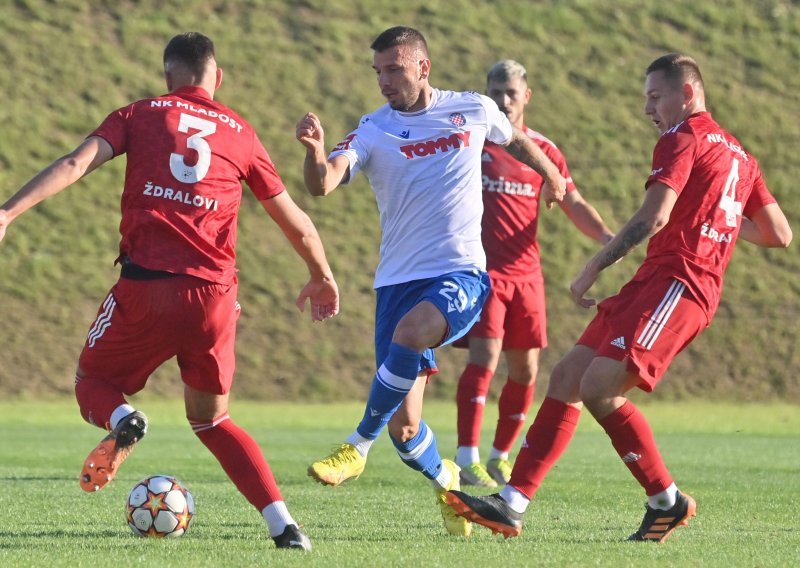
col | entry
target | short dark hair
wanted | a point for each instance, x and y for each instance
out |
(400, 35)
(191, 49)
(677, 68)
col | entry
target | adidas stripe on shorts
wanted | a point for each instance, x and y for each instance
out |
(647, 323)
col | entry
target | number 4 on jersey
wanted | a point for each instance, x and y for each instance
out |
(177, 162)
(727, 202)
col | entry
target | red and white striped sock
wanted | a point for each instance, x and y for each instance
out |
(241, 458)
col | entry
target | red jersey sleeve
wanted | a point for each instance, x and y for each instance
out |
(262, 176)
(759, 197)
(673, 159)
(114, 129)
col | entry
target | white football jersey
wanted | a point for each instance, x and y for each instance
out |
(425, 170)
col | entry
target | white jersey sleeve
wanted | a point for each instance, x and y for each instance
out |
(353, 147)
(499, 128)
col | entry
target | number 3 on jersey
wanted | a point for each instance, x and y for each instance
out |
(727, 202)
(177, 162)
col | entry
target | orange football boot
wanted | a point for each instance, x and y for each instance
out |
(103, 462)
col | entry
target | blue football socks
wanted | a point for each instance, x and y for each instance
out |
(420, 453)
(389, 387)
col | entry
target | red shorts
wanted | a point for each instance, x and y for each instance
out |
(144, 323)
(648, 323)
(515, 312)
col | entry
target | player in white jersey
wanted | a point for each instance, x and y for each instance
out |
(431, 155)
(422, 155)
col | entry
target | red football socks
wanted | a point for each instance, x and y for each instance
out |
(547, 438)
(515, 401)
(633, 439)
(97, 400)
(473, 387)
(241, 458)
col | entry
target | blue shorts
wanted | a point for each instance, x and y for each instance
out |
(458, 295)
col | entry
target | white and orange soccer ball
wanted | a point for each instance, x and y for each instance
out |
(160, 506)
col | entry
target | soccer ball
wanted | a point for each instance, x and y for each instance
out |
(160, 506)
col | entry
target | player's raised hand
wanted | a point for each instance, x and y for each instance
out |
(309, 132)
(581, 285)
(554, 190)
(323, 296)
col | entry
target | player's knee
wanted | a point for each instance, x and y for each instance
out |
(412, 338)
(526, 378)
(204, 406)
(593, 391)
(564, 383)
(421, 328)
(485, 352)
(528, 375)
(604, 380)
(587, 393)
(403, 431)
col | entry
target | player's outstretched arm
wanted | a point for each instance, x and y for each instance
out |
(321, 288)
(767, 227)
(524, 150)
(321, 176)
(651, 217)
(62, 173)
(585, 217)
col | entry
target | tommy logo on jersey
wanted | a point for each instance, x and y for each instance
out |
(458, 119)
(455, 141)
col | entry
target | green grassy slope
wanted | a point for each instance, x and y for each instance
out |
(68, 64)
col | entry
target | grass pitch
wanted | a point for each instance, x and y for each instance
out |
(741, 463)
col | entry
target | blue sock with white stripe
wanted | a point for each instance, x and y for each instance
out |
(420, 452)
(389, 387)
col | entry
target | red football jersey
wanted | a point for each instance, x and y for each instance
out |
(717, 182)
(187, 155)
(511, 209)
